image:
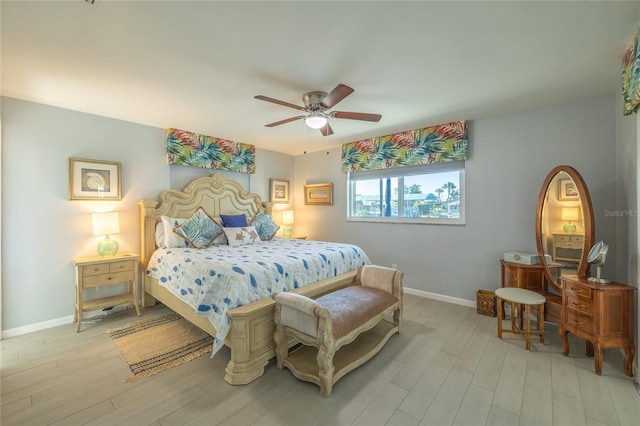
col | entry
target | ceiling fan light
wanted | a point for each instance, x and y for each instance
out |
(315, 121)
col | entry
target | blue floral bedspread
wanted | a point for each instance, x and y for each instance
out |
(219, 278)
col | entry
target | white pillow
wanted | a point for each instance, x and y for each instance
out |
(242, 235)
(171, 239)
(160, 234)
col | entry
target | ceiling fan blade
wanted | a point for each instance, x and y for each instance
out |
(277, 123)
(326, 130)
(276, 101)
(340, 92)
(356, 116)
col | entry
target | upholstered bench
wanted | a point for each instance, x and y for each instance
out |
(358, 320)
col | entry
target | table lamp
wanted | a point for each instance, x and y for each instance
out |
(106, 224)
(287, 219)
(570, 213)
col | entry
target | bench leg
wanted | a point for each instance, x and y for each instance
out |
(397, 319)
(325, 371)
(282, 349)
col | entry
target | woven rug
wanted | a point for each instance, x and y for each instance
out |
(153, 345)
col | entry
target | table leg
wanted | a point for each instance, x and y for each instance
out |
(541, 323)
(527, 336)
(500, 313)
(629, 353)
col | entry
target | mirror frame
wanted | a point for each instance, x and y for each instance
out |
(587, 218)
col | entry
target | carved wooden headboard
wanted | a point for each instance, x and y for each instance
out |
(215, 194)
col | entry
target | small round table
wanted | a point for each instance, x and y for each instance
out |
(527, 298)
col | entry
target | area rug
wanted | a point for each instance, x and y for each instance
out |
(156, 344)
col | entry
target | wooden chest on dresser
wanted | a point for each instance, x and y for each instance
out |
(601, 314)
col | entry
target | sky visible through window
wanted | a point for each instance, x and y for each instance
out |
(428, 183)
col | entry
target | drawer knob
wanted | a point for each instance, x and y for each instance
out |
(579, 322)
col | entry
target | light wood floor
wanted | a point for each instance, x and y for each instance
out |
(448, 367)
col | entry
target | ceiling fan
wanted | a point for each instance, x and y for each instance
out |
(317, 104)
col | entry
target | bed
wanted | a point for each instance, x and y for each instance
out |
(250, 329)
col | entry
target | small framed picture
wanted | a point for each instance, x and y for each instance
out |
(279, 191)
(568, 191)
(94, 180)
(320, 194)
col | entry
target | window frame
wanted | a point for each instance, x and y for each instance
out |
(401, 173)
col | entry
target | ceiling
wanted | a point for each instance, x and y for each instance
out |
(198, 65)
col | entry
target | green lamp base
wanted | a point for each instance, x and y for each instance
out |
(569, 228)
(108, 247)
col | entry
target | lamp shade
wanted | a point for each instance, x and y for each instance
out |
(105, 223)
(570, 213)
(287, 217)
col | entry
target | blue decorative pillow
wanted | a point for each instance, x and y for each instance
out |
(234, 220)
(200, 230)
(265, 226)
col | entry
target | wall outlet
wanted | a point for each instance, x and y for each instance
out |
(394, 265)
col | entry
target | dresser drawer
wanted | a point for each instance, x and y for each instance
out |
(579, 304)
(578, 290)
(581, 322)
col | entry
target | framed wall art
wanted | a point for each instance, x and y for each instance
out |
(279, 191)
(94, 180)
(568, 191)
(320, 194)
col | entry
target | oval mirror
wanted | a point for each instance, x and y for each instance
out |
(564, 225)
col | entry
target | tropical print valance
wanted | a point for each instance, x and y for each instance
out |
(193, 149)
(445, 142)
(631, 76)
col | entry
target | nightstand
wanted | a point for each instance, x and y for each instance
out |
(298, 237)
(99, 271)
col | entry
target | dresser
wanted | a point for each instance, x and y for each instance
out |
(567, 247)
(531, 277)
(100, 271)
(601, 314)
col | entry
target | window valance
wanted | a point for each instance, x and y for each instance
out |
(193, 149)
(444, 142)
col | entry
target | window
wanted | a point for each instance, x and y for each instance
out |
(431, 193)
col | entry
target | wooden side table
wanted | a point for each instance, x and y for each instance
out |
(99, 271)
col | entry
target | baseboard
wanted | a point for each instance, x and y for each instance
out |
(69, 319)
(88, 316)
(36, 327)
(436, 296)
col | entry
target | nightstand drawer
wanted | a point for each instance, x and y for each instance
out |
(107, 279)
(579, 304)
(568, 239)
(98, 269)
(125, 265)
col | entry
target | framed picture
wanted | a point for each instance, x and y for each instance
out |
(320, 194)
(568, 191)
(94, 180)
(279, 191)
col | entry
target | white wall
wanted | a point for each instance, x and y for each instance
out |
(510, 156)
(42, 230)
